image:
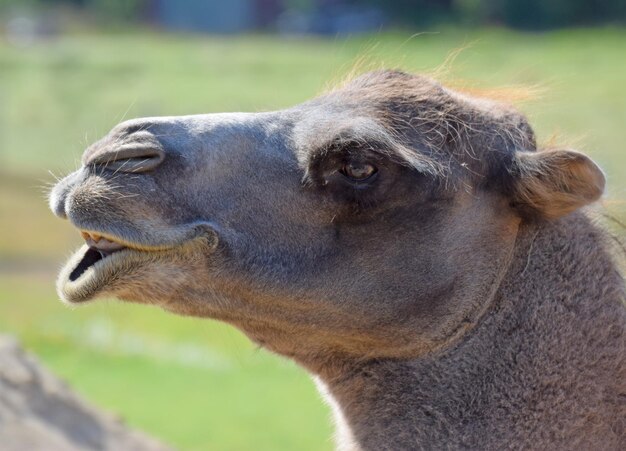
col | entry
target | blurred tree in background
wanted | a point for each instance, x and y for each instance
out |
(525, 14)
(521, 14)
(540, 14)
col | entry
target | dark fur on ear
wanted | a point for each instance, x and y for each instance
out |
(553, 183)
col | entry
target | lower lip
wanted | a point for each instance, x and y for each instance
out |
(90, 258)
(76, 285)
(86, 275)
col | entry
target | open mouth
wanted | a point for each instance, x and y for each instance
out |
(105, 263)
(99, 249)
(96, 265)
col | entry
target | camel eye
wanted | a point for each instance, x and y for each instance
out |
(358, 171)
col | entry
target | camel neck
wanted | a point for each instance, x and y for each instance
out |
(546, 358)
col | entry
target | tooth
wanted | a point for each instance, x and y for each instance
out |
(95, 237)
(85, 235)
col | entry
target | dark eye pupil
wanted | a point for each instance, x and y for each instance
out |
(358, 171)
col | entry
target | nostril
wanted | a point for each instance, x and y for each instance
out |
(130, 158)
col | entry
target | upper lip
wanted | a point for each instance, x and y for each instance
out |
(103, 245)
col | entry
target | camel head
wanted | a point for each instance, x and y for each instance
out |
(373, 221)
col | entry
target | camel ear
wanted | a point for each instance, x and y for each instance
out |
(553, 183)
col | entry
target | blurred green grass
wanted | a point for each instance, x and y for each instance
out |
(194, 383)
(199, 384)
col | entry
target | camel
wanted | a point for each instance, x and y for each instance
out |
(406, 243)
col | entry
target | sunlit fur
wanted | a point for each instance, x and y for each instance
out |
(456, 299)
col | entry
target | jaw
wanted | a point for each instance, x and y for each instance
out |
(86, 275)
(134, 271)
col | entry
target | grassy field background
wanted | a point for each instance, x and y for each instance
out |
(199, 384)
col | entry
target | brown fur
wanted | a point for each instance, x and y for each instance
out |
(456, 299)
(557, 182)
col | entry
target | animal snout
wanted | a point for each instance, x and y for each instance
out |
(58, 195)
(133, 158)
